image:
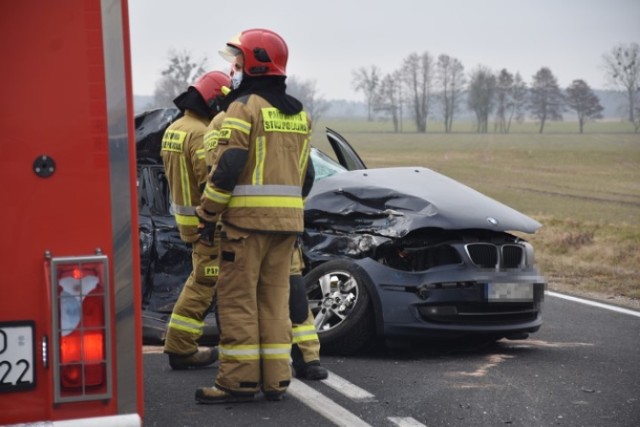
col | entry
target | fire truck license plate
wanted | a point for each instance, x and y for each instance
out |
(16, 356)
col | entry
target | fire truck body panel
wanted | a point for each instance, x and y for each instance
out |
(70, 333)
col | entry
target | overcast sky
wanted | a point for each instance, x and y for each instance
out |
(329, 39)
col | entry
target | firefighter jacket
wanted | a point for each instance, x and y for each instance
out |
(211, 139)
(262, 169)
(183, 157)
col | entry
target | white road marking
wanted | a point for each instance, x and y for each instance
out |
(348, 389)
(324, 406)
(594, 304)
(406, 422)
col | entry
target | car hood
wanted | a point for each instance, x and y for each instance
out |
(395, 201)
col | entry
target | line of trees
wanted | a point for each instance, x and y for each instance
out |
(429, 87)
(426, 87)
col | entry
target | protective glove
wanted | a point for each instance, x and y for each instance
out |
(207, 226)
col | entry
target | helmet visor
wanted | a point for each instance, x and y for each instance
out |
(229, 53)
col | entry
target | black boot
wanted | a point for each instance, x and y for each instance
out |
(307, 370)
(311, 371)
(199, 359)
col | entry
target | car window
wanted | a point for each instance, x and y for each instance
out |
(324, 165)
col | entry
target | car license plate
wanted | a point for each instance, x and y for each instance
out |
(510, 292)
(16, 356)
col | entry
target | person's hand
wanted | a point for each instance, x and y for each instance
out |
(207, 226)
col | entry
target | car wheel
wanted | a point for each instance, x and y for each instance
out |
(340, 303)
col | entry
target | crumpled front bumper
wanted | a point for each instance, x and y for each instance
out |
(451, 301)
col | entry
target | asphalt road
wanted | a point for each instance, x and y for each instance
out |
(581, 369)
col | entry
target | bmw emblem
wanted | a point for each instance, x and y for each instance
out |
(492, 221)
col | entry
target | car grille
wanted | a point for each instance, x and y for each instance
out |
(480, 313)
(487, 255)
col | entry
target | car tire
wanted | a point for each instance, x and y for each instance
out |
(339, 300)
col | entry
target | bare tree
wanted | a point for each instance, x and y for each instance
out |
(504, 86)
(581, 98)
(520, 99)
(367, 81)
(181, 71)
(417, 77)
(511, 100)
(622, 66)
(481, 98)
(388, 100)
(305, 91)
(546, 101)
(450, 79)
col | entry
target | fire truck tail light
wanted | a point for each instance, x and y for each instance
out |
(81, 319)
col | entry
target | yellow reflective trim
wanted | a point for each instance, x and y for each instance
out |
(275, 121)
(303, 328)
(238, 357)
(211, 140)
(275, 351)
(237, 124)
(239, 352)
(276, 356)
(303, 333)
(241, 347)
(275, 347)
(200, 153)
(196, 332)
(265, 202)
(304, 156)
(212, 270)
(305, 338)
(215, 195)
(173, 140)
(261, 154)
(187, 219)
(186, 319)
(186, 324)
(184, 181)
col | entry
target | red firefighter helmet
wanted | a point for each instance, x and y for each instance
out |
(265, 52)
(210, 84)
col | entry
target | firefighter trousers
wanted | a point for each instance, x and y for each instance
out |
(187, 319)
(253, 309)
(305, 338)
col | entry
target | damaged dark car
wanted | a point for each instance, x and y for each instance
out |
(397, 254)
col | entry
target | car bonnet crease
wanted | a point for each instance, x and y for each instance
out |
(394, 201)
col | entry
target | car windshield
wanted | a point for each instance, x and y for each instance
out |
(324, 165)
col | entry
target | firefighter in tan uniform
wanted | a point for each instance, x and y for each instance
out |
(183, 156)
(256, 187)
(305, 351)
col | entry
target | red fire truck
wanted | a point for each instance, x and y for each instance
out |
(70, 329)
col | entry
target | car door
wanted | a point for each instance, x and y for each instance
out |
(344, 152)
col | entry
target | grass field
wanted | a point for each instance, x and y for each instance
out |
(583, 188)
